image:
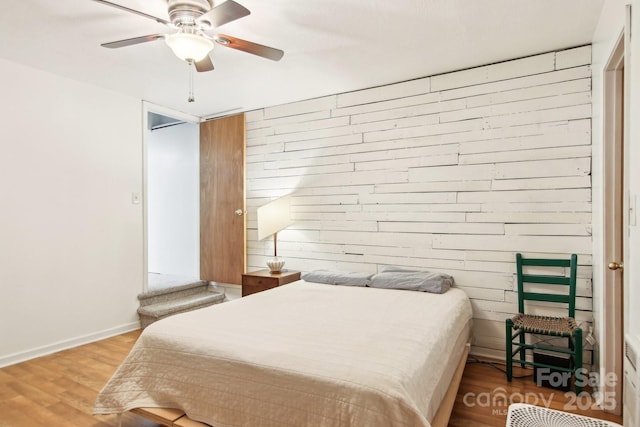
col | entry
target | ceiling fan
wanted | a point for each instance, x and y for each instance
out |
(193, 20)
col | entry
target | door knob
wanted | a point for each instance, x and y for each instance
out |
(238, 212)
(615, 266)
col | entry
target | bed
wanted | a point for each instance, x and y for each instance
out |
(302, 354)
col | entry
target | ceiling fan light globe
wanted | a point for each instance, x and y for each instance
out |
(189, 46)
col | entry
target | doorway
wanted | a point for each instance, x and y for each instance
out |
(215, 195)
(615, 224)
(171, 198)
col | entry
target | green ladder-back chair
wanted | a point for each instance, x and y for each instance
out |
(522, 323)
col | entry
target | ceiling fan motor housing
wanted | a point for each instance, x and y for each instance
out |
(183, 13)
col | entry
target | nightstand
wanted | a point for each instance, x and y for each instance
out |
(262, 280)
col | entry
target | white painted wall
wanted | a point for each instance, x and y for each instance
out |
(173, 197)
(609, 28)
(71, 259)
(452, 173)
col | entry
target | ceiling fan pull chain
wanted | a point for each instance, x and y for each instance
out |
(191, 97)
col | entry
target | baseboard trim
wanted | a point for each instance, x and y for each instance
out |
(23, 356)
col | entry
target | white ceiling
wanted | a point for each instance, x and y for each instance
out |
(331, 46)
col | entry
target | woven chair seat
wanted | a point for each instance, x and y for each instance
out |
(555, 326)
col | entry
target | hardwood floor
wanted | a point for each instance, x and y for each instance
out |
(60, 389)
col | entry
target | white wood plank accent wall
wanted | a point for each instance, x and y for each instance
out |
(453, 173)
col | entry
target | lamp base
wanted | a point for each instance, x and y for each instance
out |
(275, 264)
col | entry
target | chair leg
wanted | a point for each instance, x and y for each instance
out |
(577, 358)
(509, 349)
(523, 353)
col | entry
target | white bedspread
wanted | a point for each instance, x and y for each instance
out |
(303, 354)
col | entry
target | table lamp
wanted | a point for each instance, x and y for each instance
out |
(273, 217)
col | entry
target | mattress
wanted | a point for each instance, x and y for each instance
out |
(302, 354)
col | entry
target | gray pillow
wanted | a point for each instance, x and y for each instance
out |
(425, 281)
(390, 268)
(337, 277)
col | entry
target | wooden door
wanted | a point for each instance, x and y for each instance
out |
(615, 226)
(222, 196)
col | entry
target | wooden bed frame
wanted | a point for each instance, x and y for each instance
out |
(177, 418)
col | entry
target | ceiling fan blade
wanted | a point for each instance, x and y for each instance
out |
(132, 41)
(249, 47)
(204, 64)
(224, 13)
(127, 9)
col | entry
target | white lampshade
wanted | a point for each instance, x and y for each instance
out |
(274, 216)
(189, 46)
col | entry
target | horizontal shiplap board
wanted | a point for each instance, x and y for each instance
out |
(531, 217)
(442, 227)
(308, 126)
(573, 57)
(583, 181)
(301, 107)
(548, 229)
(544, 168)
(432, 127)
(311, 135)
(531, 92)
(543, 196)
(573, 112)
(509, 257)
(495, 72)
(252, 123)
(566, 244)
(402, 199)
(414, 111)
(537, 207)
(421, 187)
(394, 153)
(393, 91)
(258, 172)
(517, 107)
(525, 155)
(555, 135)
(405, 164)
(484, 294)
(453, 173)
(333, 138)
(391, 212)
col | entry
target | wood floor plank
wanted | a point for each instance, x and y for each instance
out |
(13, 417)
(60, 389)
(5, 377)
(35, 394)
(34, 414)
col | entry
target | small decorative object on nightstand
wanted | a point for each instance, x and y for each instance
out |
(273, 217)
(262, 280)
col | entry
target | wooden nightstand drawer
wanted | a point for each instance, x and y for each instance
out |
(262, 280)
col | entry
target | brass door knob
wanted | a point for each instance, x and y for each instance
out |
(238, 212)
(615, 266)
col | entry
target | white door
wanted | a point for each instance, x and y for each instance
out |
(616, 219)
